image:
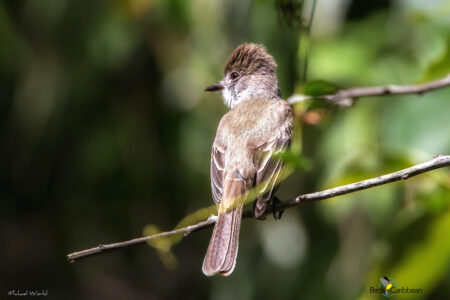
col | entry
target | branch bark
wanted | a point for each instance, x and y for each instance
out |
(439, 161)
(347, 97)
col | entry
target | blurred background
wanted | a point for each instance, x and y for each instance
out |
(105, 133)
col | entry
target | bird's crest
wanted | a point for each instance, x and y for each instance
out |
(250, 58)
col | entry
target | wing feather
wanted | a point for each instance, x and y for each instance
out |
(269, 165)
(217, 172)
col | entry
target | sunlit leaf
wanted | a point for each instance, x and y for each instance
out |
(165, 243)
(441, 67)
(294, 159)
(320, 87)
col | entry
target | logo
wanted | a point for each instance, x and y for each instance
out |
(388, 283)
(388, 287)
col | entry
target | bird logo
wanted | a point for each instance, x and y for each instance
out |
(388, 283)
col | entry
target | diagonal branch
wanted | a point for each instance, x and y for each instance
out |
(116, 246)
(439, 161)
(347, 97)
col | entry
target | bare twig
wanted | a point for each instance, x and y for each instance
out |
(439, 161)
(346, 97)
(112, 247)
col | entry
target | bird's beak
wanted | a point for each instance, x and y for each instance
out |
(215, 87)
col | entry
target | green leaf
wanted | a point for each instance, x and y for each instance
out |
(165, 243)
(293, 159)
(320, 87)
(441, 67)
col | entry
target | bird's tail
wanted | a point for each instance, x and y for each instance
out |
(223, 247)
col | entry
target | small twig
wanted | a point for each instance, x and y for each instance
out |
(347, 97)
(112, 247)
(439, 161)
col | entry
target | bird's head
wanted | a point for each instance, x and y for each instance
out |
(249, 74)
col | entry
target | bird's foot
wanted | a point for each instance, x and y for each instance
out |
(277, 214)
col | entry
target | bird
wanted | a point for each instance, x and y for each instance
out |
(386, 283)
(244, 154)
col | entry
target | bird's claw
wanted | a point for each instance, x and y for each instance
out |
(276, 214)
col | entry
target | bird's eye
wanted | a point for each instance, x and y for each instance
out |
(234, 75)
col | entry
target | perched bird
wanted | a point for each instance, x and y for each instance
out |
(258, 125)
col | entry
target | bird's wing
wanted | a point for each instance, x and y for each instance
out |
(269, 164)
(217, 171)
(384, 282)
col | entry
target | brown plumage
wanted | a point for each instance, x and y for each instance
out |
(250, 58)
(258, 126)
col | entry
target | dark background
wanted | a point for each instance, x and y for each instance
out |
(105, 130)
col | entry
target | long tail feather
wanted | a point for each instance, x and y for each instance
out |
(223, 247)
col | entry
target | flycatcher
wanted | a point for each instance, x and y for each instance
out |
(258, 125)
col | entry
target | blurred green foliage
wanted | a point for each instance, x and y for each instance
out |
(319, 88)
(105, 132)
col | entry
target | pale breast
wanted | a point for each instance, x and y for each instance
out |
(249, 125)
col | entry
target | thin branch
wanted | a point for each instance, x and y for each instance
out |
(439, 161)
(116, 246)
(347, 97)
